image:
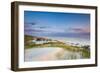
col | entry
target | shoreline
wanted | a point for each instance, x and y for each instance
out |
(71, 41)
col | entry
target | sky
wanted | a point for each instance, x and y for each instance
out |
(56, 23)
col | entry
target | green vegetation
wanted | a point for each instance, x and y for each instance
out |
(28, 38)
(86, 51)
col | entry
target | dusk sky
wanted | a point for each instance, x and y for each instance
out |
(56, 23)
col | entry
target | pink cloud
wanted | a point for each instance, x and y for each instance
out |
(81, 30)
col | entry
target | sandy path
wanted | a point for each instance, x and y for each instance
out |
(47, 53)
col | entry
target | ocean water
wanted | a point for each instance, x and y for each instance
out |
(72, 40)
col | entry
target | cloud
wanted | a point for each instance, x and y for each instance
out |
(80, 29)
(43, 27)
(33, 30)
(30, 23)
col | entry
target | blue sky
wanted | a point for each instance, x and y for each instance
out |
(56, 22)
